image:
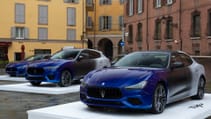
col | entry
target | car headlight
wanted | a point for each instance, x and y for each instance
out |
(22, 67)
(83, 84)
(51, 67)
(139, 85)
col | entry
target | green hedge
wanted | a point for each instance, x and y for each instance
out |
(3, 63)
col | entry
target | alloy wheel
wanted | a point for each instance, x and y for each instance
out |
(66, 79)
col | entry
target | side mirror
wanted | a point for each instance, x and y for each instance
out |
(177, 65)
(80, 58)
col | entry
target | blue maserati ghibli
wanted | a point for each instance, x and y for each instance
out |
(144, 80)
(66, 66)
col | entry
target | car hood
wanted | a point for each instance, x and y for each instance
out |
(50, 62)
(117, 77)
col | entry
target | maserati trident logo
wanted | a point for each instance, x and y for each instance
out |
(102, 93)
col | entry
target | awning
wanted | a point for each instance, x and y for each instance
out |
(5, 44)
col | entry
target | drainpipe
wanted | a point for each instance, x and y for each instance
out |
(180, 24)
(95, 23)
(147, 25)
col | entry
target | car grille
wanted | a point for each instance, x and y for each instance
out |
(35, 71)
(105, 93)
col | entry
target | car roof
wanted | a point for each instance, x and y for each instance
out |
(163, 51)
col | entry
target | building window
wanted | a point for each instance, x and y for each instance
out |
(209, 22)
(71, 1)
(105, 2)
(130, 35)
(169, 28)
(169, 2)
(19, 32)
(140, 6)
(209, 49)
(105, 23)
(157, 3)
(19, 13)
(139, 32)
(71, 16)
(42, 33)
(71, 34)
(17, 56)
(89, 22)
(121, 22)
(196, 27)
(121, 1)
(157, 30)
(131, 7)
(42, 51)
(89, 2)
(43, 14)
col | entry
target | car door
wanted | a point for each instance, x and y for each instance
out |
(177, 78)
(84, 63)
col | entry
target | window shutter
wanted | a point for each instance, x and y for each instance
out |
(127, 8)
(13, 30)
(109, 22)
(76, 1)
(26, 33)
(71, 34)
(19, 13)
(154, 3)
(71, 14)
(42, 33)
(101, 23)
(43, 14)
(109, 2)
(101, 2)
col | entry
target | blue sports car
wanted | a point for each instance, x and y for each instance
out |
(19, 68)
(144, 80)
(66, 66)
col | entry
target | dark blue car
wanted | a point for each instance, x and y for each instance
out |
(19, 68)
(66, 66)
(144, 80)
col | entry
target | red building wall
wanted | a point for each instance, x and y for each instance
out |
(181, 12)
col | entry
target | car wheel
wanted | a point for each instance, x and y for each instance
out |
(65, 79)
(159, 99)
(35, 83)
(200, 91)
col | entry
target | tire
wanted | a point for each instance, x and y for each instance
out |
(35, 83)
(159, 99)
(200, 90)
(65, 79)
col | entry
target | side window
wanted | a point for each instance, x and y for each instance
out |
(186, 59)
(176, 58)
(85, 54)
(93, 54)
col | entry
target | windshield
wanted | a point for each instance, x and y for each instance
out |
(144, 59)
(65, 54)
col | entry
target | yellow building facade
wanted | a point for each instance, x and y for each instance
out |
(104, 26)
(40, 27)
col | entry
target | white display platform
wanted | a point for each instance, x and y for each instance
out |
(8, 78)
(187, 109)
(44, 88)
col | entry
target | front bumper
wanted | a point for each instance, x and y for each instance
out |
(43, 76)
(134, 99)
